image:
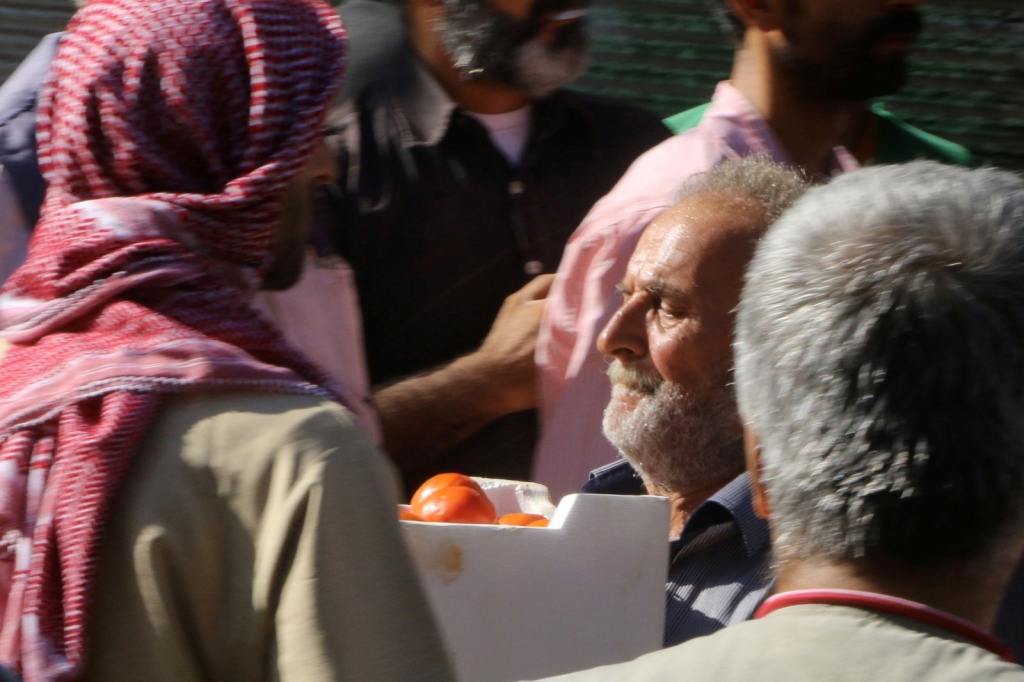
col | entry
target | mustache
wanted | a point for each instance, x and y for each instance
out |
(634, 378)
(895, 23)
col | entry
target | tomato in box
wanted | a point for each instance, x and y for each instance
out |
(439, 482)
(519, 519)
(458, 504)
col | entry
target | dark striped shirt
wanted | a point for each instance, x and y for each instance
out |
(719, 568)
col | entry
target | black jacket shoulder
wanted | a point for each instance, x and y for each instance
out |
(620, 123)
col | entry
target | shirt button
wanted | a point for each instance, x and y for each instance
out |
(515, 188)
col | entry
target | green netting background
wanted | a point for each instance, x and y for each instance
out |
(967, 79)
(967, 82)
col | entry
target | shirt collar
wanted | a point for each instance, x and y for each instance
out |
(428, 110)
(616, 478)
(744, 131)
(885, 603)
(424, 104)
(733, 502)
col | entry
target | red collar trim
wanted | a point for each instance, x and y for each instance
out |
(894, 605)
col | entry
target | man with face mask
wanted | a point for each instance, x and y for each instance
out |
(464, 167)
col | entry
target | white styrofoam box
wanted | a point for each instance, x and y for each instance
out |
(518, 603)
(510, 497)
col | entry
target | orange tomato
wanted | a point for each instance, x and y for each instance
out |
(439, 482)
(406, 515)
(542, 523)
(458, 504)
(519, 519)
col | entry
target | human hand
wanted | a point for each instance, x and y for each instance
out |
(505, 360)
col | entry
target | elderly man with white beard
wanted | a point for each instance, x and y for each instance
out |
(673, 412)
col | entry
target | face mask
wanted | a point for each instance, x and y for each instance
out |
(486, 44)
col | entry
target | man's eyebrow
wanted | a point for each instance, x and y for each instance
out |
(665, 290)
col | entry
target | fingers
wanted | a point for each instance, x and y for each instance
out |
(536, 289)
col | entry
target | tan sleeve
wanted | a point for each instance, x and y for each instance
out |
(348, 602)
(256, 538)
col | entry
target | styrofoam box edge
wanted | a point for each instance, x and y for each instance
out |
(524, 603)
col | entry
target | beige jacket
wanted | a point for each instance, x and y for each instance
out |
(256, 538)
(817, 643)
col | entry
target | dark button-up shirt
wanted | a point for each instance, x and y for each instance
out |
(719, 567)
(440, 228)
(18, 126)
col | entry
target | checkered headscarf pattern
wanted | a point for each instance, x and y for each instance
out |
(168, 133)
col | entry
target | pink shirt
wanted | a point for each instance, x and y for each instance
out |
(574, 388)
(320, 316)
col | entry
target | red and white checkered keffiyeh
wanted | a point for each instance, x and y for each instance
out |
(168, 133)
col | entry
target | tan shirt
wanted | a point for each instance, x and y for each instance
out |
(256, 538)
(814, 643)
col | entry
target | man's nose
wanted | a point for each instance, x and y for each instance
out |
(625, 335)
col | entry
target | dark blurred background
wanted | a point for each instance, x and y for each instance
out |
(968, 67)
(967, 83)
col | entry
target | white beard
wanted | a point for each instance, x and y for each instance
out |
(677, 440)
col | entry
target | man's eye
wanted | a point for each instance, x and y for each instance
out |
(672, 311)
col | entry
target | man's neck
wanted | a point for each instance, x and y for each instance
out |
(682, 504)
(973, 595)
(808, 128)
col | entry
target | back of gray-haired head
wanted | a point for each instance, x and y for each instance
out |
(772, 185)
(880, 359)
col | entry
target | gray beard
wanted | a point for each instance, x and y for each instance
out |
(676, 440)
(483, 44)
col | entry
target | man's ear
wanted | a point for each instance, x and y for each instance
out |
(752, 449)
(764, 15)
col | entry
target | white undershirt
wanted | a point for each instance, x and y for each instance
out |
(509, 132)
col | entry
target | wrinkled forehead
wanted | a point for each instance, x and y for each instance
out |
(703, 241)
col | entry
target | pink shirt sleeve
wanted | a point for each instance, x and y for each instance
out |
(321, 317)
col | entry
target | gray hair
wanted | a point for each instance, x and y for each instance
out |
(774, 186)
(880, 359)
